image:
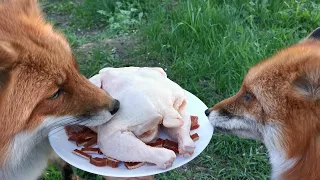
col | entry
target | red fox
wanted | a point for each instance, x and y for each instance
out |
(40, 89)
(279, 104)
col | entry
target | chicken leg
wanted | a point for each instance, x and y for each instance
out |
(181, 134)
(125, 146)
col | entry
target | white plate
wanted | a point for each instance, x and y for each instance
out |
(64, 148)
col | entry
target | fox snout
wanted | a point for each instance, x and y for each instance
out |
(207, 112)
(98, 106)
(236, 116)
(221, 112)
(115, 105)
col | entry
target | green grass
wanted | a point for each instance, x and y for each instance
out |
(205, 46)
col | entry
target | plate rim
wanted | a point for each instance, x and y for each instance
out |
(140, 174)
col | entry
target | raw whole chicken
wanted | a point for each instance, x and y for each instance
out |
(148, 99)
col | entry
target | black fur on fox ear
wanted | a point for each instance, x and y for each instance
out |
(306, 81)
(307, 89)
(315, 34)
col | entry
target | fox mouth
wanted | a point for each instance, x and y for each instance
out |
(227, 123)
(227, 131)
(222, 130)
(94, 119)
(244, 133)
(228, 115)
(86, 117)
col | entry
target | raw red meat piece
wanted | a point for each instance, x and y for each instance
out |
(91, 142)
(194, 123)
(157, 143)
(91, 150)
(171, 145)
(133, 165)
(100, 162)
(112, 162)
(195, 137)
(81, 154)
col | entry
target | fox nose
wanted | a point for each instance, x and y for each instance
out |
(207, 112)
(115, 107)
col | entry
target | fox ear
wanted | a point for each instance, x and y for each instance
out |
(8, 55)
(307, 84)
(29, 8)
(315, 34)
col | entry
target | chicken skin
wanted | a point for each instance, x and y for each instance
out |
(148, 100)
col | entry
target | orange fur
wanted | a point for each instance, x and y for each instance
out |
(35, 61)
(284, 91)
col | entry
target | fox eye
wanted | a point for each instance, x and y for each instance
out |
(247, 96)
(56, 94)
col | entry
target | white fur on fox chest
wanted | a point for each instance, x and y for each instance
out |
(26, 158)
(280, 164)
(29, 167)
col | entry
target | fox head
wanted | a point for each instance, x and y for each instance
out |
(40, 85)
(279, 104)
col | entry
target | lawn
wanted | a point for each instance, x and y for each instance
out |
(205, 46)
